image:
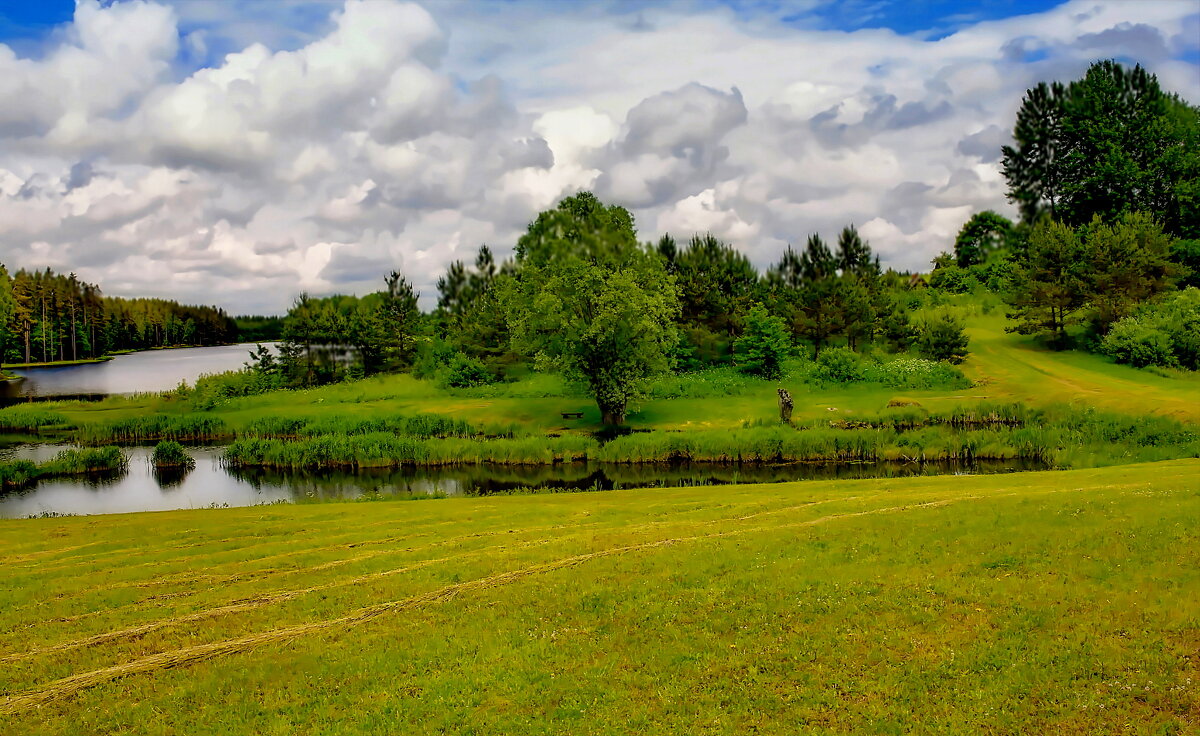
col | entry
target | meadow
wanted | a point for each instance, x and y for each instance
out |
(1053, 602)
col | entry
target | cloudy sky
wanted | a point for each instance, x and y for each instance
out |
(239, 151)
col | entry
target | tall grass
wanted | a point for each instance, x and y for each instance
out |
(385, 450)
(23, 473)
(181, 428)
(26, 418)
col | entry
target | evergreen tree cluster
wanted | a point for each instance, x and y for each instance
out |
(45, 316)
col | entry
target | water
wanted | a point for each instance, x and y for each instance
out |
(143, 488)
(148, 371)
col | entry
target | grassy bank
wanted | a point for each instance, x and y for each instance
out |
(1061, 602)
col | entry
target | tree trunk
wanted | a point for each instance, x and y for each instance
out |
(785, 406)
(612, 415)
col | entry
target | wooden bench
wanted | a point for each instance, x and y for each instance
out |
(572, 415)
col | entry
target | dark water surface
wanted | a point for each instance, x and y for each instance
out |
(142, 488)
(148, 371)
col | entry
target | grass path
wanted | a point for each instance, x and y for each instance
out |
(1063, 602)
(1015, 368)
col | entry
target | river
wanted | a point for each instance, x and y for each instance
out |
(211, 483)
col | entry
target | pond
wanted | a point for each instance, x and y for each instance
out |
(143, 488)
(143, 372)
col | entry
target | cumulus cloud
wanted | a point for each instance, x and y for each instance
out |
(239, 153)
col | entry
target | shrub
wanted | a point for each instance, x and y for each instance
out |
(953, 280)
(1161, 333)
(915, 373)
(170, 454)
(942, 338)
(1139, 344)
(838, 365)
(464, 371)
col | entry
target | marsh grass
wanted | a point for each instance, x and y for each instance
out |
(20, 474)
(26, 418)
(170, 454)
(153, 427)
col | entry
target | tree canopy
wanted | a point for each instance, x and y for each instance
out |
(1110, 143)
(589, 299)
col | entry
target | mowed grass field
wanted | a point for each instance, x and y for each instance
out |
(1042, 603)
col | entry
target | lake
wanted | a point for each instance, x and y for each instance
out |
(143, 488)
(147, 371)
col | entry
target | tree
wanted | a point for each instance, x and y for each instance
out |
(1051, 283)
(1129, 263)
(1097, 274)
(1108, 144)
(981, 236)
(8, 307)
(763, 346)
(589, 299)
(854, 255)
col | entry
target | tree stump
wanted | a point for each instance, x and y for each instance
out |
(785, 406)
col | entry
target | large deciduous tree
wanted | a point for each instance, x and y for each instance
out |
(589, 299)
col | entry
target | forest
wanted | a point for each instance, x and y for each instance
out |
(48, 317)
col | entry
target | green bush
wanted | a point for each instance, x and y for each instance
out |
(953, 280)
(915, 373)
(763, 346)
(942, 338)
(838, 365)
(464, 371)
(1163, 333)
(170, 454)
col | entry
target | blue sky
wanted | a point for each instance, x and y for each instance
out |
(255, 148)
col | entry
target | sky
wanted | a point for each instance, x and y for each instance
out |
(238, 152)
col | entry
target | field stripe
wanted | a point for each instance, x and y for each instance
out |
(67, 686)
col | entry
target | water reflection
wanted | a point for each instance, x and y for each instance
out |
(142, 487)
(149, 371)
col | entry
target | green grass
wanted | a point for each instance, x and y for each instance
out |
(1058, 602)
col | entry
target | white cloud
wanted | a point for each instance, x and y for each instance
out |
(318, 156)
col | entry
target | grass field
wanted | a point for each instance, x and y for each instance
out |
(1060, 602)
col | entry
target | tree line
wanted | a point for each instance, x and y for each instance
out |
(46, 316)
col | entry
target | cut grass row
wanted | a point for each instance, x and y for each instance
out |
(1061, 602)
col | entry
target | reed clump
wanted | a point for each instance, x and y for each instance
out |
(170, 454)
(20, 474)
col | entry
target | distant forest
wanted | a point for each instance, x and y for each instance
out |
(45, 316)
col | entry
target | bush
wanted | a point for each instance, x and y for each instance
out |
(464, 371)
(170, 454)
(953, 280)
(838, 365)
(914, 373)
(1139, 344)
(942, 338)
(1164, 333)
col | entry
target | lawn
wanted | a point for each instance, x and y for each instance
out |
(1058, 602)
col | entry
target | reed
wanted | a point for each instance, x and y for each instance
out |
(30, 418)
(150, 428)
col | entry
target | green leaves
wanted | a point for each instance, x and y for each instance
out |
(1107, 144)
(591, 301)
(763, 346)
